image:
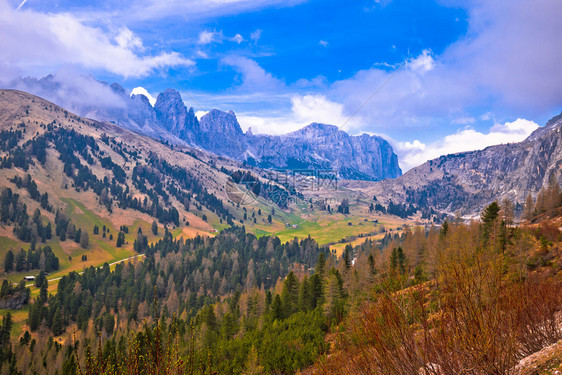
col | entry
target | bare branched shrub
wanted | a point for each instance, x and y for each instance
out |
(473, 318)
(539, 303)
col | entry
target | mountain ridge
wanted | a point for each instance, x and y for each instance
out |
(467, 181)
(219, 132)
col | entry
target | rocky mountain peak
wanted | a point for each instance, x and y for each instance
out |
(140, 98)
(174, 115)
(317, 128)
(469, 181)
(553, 123)
(118, 89)
(169, 96)
(217, 121)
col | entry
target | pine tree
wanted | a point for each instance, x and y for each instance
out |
(371, 261)
(84, 239)
(43, 292)
(108, 323)
(333, 294)
(290, 294)
(9, 261)
(444, 230)
(277, 308)
(209, 317)
(316, 289)
(252, 363)
(48, 231)
(41, 278)
(120, 239)
(488, 217)
(347, 254)
(20, 261)
(77, 235)
(57, 327)
(155, 228)
(140, 243)
(393, 260)
(305, 295)
(320, 264)
(45, 201)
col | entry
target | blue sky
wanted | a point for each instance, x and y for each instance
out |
(470, 74)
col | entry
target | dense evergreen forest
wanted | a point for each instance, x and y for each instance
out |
(227, 299)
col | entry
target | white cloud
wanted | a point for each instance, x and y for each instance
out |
(201, 54)
(238, 38)
(128, 40)
(256, 35)
(200, 114)
(305, 109)
(412, 154)
(268, 125)
(323, 43)
(317, 108)
(464, 120)
(253, 77)
(507, 62)
(423, 63)
(515, 131)
(486, 116)
(34, 41)
(71, 90)
(208, 37)
(319, 82)
(142, 91)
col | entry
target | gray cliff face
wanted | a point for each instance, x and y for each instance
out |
(140, 112)
(316, 146)
(221, 122)
(323, 146)
(472, 180)
(174, 115)
(220, 133)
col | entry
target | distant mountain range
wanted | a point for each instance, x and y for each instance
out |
(466, 182)
(316, 146)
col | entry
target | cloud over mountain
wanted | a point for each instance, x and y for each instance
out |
(43, 42)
